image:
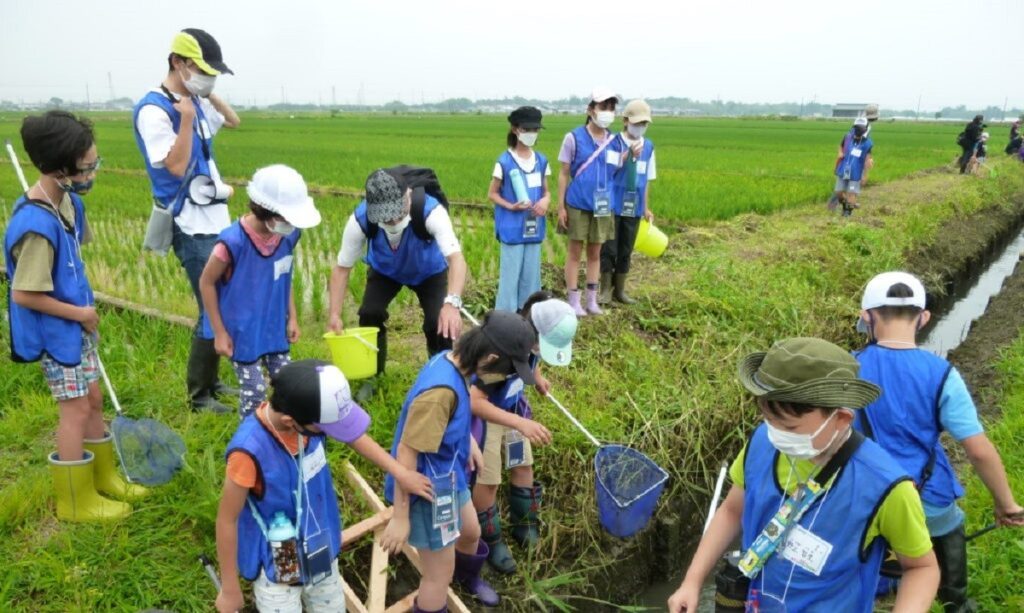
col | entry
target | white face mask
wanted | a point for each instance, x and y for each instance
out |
(799, 446)
(396, 228)
(603, 119)
(528, 138)
(199, 84)
(282, 227)
(636, 131)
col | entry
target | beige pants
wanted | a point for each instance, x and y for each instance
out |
(494, 452)
(328, 596)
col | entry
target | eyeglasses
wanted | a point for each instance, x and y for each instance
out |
(88, 170)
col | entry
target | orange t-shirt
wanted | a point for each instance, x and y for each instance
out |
(242, 470)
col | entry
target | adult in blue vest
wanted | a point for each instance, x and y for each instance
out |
(811, 542)
(630, 199)
(423, 255)
(51, 315)
(174, 129)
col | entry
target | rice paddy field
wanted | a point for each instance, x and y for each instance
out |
(753, 256)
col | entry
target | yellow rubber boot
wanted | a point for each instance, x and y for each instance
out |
(77, 498)
(105, 471)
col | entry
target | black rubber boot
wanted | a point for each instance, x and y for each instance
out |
(951, 552)
(201, 376)
(604, 296)
(619, 293)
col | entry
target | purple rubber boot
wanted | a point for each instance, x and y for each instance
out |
(467, 575)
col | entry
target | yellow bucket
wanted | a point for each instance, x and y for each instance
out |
(650, 241)
(354, 351)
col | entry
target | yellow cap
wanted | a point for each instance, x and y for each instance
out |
(202, 49)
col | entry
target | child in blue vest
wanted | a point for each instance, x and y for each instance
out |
(433, 437)
(852, 165)
(277, 477)
(249, 310)
(519, 191)
(584, 196)
(51, 314)
(508, 429)
(814, 500)
(630, 200)
(924, 395)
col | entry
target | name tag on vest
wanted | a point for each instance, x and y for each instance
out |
(282, 267)
(533, 180)
(313, 463)
(641, 167)
(855, 153)
(612, 158)
(514, 388)
(806, 549)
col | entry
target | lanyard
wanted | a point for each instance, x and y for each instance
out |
(298, 495)
(430, 465)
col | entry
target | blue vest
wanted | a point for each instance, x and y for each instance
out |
(169, 189)
(453, 454)
(905, 418)
(415, 260)
(254, 301)
(280, 476)
(619, 186)
(580, 194)
(508, 225)
(855, 165)
(34, 333)
(506, 396)
(848, 579)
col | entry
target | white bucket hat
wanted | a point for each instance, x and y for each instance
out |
(282, 190)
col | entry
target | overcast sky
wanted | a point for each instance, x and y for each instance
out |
(946, 52)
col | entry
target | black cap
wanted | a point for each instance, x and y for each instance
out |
(316, 392)
(514, 338)
(526, 117)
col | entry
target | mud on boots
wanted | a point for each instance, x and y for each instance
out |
(105, 470)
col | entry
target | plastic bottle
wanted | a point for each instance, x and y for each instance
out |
(283, 546)
(519, 185)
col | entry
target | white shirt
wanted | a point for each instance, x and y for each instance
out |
(527, 164)
(652, 169)
(438, 223)
(158, 136)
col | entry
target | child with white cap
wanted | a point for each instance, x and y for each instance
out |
(852, 165)
(249, 310)
(925, 395)
(278, 478)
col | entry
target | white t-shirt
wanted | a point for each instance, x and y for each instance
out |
(652, 169)
(527, 164)
(158, 135)
(438, 223)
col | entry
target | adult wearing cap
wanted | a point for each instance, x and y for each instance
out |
(382, 232)
(519, 191)
(174, 129)
(249, 310)
(433, 437)
(851, 167)
(584, 196)
(630, 199)
(273, 452)
(968, 140)
(814, 502)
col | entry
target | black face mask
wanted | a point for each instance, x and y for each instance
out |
(859, 131)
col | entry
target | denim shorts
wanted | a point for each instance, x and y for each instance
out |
(422, 533)
(70, 382)
(847, 185)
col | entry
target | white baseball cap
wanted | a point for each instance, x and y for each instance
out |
(282, 190)
(556, 326)
(600, 94)
(876, 293)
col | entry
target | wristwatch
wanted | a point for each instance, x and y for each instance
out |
(453, 299)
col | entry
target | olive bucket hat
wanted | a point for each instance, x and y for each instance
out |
(807, 371)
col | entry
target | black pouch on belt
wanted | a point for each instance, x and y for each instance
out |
(731, 587)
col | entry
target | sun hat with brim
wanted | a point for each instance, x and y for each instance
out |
(201, 48)
(807, 371)
(281, 189)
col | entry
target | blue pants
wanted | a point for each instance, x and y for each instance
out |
(193, 251)
(519, 275)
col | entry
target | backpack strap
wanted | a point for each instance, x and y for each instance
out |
(417, 212)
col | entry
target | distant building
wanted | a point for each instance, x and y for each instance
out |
(849, 109)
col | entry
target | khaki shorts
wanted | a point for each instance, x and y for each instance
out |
(583, 226)
(494, 449)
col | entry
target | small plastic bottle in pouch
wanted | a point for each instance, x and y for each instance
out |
(284, 549)
(515, 448)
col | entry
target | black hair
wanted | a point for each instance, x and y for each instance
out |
(170, 60)
(512, 139)
(261, 213)
(56, 141)
(534, 298)
(778, 408)
(906, 312)
(472, 347)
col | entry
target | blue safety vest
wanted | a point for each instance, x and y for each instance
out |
(34, 333)
(598, 175)
(841, 517)
(254, 300)
(619, 186)
(905, 418)
(509, 225)
(453, 454)
(280, 476)
(170, 190)
(415, 260)
(851, 163)
(506, 395)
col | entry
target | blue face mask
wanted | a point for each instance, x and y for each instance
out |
(77, 187)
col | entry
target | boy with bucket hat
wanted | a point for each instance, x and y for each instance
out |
(924, 395)
(278, 479)
(249, 312)
(174, 128)
(815, 500)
